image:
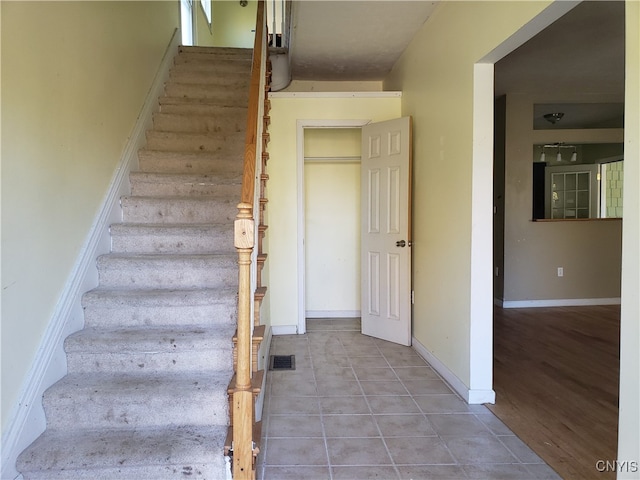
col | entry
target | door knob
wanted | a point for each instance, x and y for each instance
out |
(400, 243)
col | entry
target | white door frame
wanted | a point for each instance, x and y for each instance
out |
(480, 389)
(300, 126)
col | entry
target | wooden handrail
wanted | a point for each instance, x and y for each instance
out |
(244, 241)
(249, 173)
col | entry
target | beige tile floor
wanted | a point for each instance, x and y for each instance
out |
(357, 408)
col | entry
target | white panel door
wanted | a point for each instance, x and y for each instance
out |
(386, 236)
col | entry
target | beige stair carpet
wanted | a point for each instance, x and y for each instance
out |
(146, 392)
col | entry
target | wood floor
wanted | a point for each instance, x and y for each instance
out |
(556, 374)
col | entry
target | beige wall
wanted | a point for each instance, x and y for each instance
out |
(233, 25)
(283, 186)
(332, 222)
(74, 78)
(588, 251)
(437, 85)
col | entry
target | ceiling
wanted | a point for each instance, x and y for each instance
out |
(362, 40)
(352, 40)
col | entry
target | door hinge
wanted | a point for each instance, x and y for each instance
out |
(412, 297)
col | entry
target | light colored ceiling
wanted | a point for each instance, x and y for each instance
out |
(352, 40)
(361, 40)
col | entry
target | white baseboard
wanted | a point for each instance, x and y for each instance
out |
(565, 302)
(27, 419)
(284, 330)
(332, 314)
(472, 397)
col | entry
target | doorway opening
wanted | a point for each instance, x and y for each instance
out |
(332, 222)
(317, 143)
(353, 211)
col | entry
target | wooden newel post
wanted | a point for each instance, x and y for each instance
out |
(243, 396)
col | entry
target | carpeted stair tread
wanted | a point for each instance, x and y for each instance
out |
(188, 122)
(137, 401)
(178, 106)
(150, 339)
(147, 454)
(113, 298)
(185, 184)
(235, 93)
(171, 238)
(180, 210)
(201, 307)
(196, 162)
(213, 104)
(143, 454)
(167, 271)
(235, 78)
(218, 179)
(222, 143)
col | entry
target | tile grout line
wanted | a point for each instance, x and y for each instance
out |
(324, 433)
(386, 447)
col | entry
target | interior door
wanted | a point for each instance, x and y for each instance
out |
(386, 230)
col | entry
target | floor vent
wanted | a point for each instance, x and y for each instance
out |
(282, 362)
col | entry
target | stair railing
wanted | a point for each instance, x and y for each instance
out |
(245, 236)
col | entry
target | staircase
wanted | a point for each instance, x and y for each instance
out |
(146, 394)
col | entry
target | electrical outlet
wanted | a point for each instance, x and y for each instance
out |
(560, 271)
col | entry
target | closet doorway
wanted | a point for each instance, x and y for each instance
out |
(332, 222)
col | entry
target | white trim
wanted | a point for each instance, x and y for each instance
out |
(563, 302)
(335, 94)
(481, 274)
(27, 419)
(284, 330)
(300, 160)
(333, 314)
(472, 397)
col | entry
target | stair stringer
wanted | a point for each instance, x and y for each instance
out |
(27, 418)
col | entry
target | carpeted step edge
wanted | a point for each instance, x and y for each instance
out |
(149, 454)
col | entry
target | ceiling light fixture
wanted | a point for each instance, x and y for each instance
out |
(574, 155)
(553, 118)
(558, 146)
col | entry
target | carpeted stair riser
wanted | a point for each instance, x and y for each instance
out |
(205, 55)
(221, 62)
(235, 78)
(128, 401)
(179, 210)
(177, 122)
(200, 109)
(157, 308)
(167, 271)
(144, 454)
(232, 95)
(189, 239)
(150, 350)
(146, 184)
(190, 162)
(196, 142)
